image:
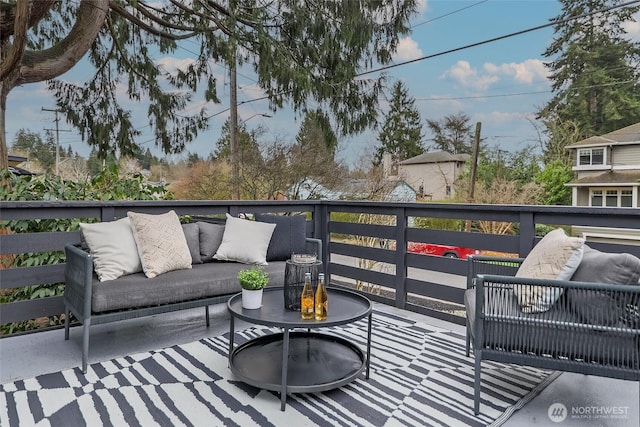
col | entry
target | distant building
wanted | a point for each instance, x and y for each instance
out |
(14, 165)
(431, 174)
(355, 189)
(608, 175)
(608, 169)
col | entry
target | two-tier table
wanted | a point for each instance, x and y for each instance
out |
(303, 360)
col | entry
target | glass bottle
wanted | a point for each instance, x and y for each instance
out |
(306, 300)
(322, 303)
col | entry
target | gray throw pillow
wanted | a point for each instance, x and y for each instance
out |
(192, 234)
(288, 237)
(210, 239)
(603, 308)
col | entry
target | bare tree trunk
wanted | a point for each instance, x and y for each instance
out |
(4, 154)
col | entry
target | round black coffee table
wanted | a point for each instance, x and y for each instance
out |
(299, 361)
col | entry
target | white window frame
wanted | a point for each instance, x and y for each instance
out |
(605, 193)
(580, 152)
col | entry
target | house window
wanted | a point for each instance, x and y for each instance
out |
(591, 156)
(612, 197)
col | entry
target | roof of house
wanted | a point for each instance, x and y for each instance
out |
(436, 157)
(16, 160)
(608, 178)
(626, 135)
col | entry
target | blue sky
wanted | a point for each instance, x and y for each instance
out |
(501, 84)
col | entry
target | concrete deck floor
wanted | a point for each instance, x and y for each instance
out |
(588, 400)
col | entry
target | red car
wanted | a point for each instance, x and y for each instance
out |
(441, 250)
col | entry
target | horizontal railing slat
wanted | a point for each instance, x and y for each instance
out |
(31, 309)
(29, 276)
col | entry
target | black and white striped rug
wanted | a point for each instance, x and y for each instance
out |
(419, 376)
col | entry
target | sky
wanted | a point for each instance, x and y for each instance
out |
(501, 84)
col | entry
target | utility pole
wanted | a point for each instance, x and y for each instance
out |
(235, 168)
(58, 130)
(474, 167)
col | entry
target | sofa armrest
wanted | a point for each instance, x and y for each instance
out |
(314, 246)
(78, 275)
(483, 264)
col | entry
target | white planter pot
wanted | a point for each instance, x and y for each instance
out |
(251, 299)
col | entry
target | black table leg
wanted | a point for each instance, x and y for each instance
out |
(285, 366)
(231, 335)
(369, 344)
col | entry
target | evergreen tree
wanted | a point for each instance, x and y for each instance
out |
(594, 69)
(302, 53)
(401, 134)
(452, 134)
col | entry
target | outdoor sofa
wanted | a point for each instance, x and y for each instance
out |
(171, 280)
(585, 320)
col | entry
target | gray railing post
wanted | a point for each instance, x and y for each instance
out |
(527, 233)
(321, 219)
(401, 251)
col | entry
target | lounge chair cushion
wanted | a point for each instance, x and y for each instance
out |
(605, 308)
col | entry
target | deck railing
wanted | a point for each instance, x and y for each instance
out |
(364, 243)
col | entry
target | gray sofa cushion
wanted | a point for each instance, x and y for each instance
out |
(210, 239)
(605, 308)
(192, 234)
(201, 281)
(288, 237)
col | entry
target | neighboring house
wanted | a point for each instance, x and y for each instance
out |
(608, 169)
(608, 174)
(355, 189)
(311, 190)
(389, 190)
(14, 162)
(432, 174)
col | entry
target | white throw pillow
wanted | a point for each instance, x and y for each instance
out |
(556, 257)
(113, 248)
(161, 243)
(245, 241)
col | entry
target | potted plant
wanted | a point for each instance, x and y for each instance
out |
(253, 280)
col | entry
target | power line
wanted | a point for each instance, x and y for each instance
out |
(494, 39)
(448, 14)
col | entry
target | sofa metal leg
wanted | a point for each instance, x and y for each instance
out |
(476, 384)
(206, 314)
(85, 344)
(67, 313)
(468, 346)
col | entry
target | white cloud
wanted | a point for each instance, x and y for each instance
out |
(170, 65)
(526, 72)
(633, 28)
(421, 6)
(501, 117)
(467, 76)
(407, 50)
